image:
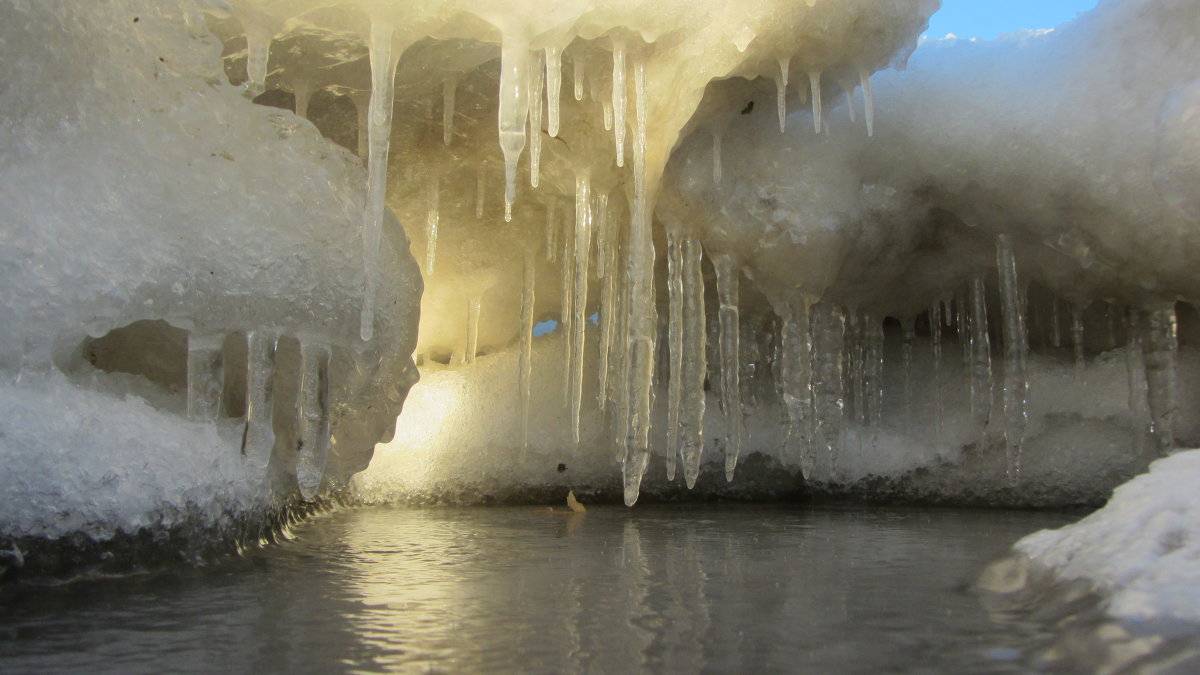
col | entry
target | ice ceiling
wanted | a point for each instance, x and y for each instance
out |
(967, 278)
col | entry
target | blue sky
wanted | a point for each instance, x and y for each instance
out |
(988, 18)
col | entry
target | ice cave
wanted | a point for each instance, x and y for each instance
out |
(766, 290)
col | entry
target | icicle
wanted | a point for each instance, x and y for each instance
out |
(1055, 324)
(362, 108)
(935, 339)
(853, 356)
(1135, 370)
(1016, 384)
(868, 101)
(553, 88)
(525, 376)
(731, 399)
(814, 85)
(379, 133)
(910, 336)
(606, 107)
(619, 98)
(258, 438)
(312, 416)
(694, 363)
(551, 230)
(535, 119)
(480, 189)
(874, 370)
(449, 89)
(258, 50)
(603, 235)
(302, 92)
(675, 342)
(609, 302)
(643, 317)
(473, 308)
(781, 92)
(431, 227)
(716, 156)
(1077, 338)
(1159, 350)
(981, 357)
(829, 402)
(583, 244)
(795, 366)
(580, 68)
(567, 295)
(850, 104)
(205, 376)
(514, 111)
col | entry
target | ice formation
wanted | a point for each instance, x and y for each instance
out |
(976, 287)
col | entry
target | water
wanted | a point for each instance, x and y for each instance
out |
(615, 590)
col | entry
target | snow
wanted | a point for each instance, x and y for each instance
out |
(1142, 550)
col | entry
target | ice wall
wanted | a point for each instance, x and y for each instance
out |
(181, 284)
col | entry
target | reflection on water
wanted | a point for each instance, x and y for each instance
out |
(681, 588)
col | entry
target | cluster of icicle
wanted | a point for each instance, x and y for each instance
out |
(311, 430)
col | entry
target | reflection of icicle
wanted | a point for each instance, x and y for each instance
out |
(981, 357)
(580, 69)
(694, 365)
(526, 364)
(312, 416)
(619, 98)
(868, 101)
(731, 400)
(1016, 385)
(431, 228)
(535, 119)
(814, 84)
(553, 88)
(473, 307)
(514, 111)
(205, 376)
(258, 438)
(379, 132)
(1159, 350)
(781, 93)
(716, 157)
(449, 89)
(583, 244)
(675, 342)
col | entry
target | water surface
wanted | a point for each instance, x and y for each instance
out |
(681, 588)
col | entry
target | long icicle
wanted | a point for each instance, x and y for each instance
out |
(814, 84)
(643, 324)
(695, 362)
(609, 303)
(583, 244)
(535, 120)
(981, 358)
(567, 291)
(731, 399)
(619, 98)
(781, 85)
(525, 374)
(379, 134)
(675, 341)
(449, 90)
(514, 112)
(1015, 382)
(431, 227)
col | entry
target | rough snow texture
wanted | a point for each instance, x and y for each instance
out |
(145, 202)
(1142, 550)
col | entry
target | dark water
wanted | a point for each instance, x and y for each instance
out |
(615, 590)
